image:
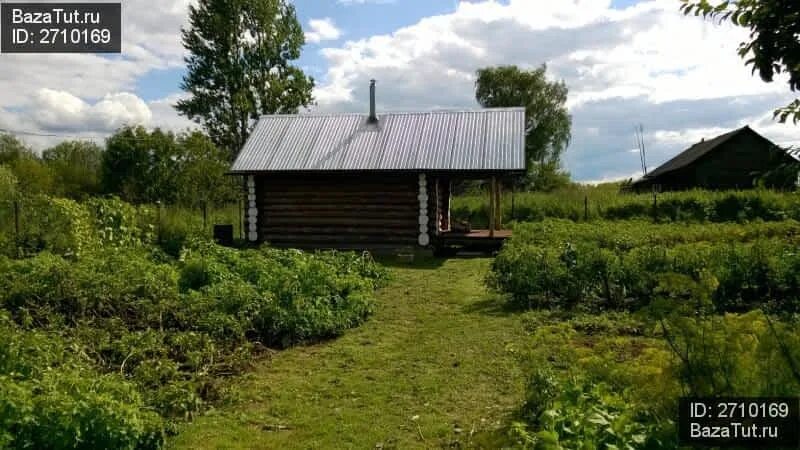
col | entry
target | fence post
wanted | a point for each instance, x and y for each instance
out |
(16, 222)
(655, 204)
(586, 208)
(513, 192)
(158, 221)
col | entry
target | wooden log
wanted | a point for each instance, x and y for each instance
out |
(492, 199)
(499, 206)
(336, 239)
(353, 214)
(346, 221)
(330, 201)
(344, 208)
(349, 231)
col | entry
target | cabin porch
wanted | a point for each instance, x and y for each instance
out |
(450, 242)
(450, 238)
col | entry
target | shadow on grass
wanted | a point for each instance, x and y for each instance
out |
(498, 438)
(421, 260)
(493, 305)
(418, 261)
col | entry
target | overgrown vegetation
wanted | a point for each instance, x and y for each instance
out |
(582, 203)
(137, 165)
(109, 339)
(630, 315)
(605, 268)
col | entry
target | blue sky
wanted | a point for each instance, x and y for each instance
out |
(358, 20)
(625, 62)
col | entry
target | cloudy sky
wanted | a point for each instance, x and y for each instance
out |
(626, 62)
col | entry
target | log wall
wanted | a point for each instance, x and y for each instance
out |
(338, 211)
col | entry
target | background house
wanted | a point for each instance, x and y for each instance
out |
(734, 160)
(371, 181)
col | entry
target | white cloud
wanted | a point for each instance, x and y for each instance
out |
(62, 111)
(322, 30)
(362, 2)
(679, 76)
(644, 64)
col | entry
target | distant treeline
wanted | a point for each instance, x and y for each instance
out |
(137, 165)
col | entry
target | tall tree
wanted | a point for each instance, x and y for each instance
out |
(76, 168)
(141, 166)
(547, 122)
(33, 176)
(202, 178)
(240, 66)
(774, 44)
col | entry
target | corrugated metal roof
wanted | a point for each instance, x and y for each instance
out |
(480, 140)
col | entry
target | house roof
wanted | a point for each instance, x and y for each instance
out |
(479, 140)
(699, 150)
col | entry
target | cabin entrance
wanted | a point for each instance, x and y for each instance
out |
(454, 234)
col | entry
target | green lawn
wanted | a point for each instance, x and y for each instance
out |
(431, 368)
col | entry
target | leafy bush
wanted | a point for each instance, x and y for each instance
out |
(594, 270)
(50, 398)
(154, 333)
(579, 414)
(55, 224)
(119, 224)
(298, 296)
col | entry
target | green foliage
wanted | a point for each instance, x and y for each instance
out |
(12, 149)
(294, 296)
(76, 168)
(8, 185)
(140, 166)
(746, 354)
(58, 225)
(579, 203)
(773, 47)
(144, 166)
(547, 177)
(202, 180)
(130, 330)
(240, 66)
(617, 266)
(577, 414)
(119, 224)
(52, 398)
(596, 381)
(548, 122)
(33, 175)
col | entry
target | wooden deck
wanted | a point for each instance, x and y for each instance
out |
(478, 234)
(476, 240)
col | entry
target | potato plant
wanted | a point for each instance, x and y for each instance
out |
(108, 340)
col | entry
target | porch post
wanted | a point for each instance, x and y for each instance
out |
(252, 210)
(492, 206)
(424, 238)
(498, 206)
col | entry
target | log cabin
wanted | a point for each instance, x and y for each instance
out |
(369, 181)
(735, 160)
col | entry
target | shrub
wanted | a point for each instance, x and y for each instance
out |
(118, 224)
(49, 398)
(580, 414)
(596, 272)
(605, 202)
(58, 225)
(172, 329)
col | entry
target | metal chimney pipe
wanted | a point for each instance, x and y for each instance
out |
(373, 118)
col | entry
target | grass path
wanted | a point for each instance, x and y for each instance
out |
(430, 369)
